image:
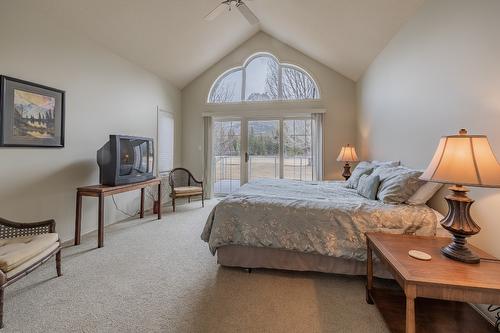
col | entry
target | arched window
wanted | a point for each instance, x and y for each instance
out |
(263, 78)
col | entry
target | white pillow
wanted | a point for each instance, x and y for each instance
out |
(386, 163)
(424, 193)
(361, 169)
(397, 184)
(368, 186)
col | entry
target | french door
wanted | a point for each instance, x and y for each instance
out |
(248, 149)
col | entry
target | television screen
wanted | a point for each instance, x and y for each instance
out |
(133, 156)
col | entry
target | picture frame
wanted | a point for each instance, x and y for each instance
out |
(31, 114)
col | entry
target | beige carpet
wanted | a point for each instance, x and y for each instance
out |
(158, 276)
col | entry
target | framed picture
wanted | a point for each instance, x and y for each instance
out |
(31, 115)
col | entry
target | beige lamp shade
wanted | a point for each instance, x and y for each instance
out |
(348, 154)
(464, 160)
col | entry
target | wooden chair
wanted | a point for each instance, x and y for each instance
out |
(183, 184)
(24, 247)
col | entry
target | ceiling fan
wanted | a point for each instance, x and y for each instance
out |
(228, 5)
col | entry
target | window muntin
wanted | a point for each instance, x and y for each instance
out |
(263, 78)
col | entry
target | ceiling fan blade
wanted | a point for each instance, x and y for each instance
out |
(247, 13)
(216, 12)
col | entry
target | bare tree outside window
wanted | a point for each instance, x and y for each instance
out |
(228, 88)
(272, 79)
(223, 93)
(297, 84)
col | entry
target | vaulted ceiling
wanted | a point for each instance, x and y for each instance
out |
(171, 39)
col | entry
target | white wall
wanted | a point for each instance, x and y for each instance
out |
(440, 73)
(337, 97)
(105, 94)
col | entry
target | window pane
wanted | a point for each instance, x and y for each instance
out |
(298, 85)
(263, 149)
(228, 88)
(226, 150)
(297, 149)
(165, 141)
(261, 79)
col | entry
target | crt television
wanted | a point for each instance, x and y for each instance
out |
(125, 160)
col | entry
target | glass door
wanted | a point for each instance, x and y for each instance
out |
(263, 156)
(248, 149)
(226, 156)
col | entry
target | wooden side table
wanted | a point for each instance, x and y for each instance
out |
(102, 191)
(440, 278)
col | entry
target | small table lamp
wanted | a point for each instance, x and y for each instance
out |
(462, 160)
(347, 154)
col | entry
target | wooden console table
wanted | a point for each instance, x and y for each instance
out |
(102, 191)
(447, 282)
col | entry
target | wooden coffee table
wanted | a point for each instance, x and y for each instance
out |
(439, 279)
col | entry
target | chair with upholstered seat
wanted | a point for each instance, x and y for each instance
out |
(24, 247)
(184, 185)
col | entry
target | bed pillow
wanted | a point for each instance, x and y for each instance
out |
(424, 193)
(386, 163)
(363, 168)
(385, 171)
(397, 184)
(368, 186)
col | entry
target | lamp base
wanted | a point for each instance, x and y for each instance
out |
(347, 171)
(460, 224)
(458, 250)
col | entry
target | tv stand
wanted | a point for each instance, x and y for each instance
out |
(102, 191)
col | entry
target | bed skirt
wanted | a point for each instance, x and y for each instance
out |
(263, 257)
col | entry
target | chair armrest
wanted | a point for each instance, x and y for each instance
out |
(9, 229)
(197, 181)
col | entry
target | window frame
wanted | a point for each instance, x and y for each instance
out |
(280, 81)
(159, 145)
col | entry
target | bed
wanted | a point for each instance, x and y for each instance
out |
(306, 226)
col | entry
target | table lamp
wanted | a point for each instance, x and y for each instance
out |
(347, 154)
(462, 160)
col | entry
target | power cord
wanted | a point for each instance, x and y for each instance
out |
(490, 259)
(122, 211)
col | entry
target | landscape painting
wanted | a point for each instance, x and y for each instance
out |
(31, 115)
(34, 115)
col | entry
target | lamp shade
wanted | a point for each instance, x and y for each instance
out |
(348, 154)
(464, 160)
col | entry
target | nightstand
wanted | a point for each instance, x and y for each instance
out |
(446, 281)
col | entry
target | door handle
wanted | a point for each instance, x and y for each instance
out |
(246, 157)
